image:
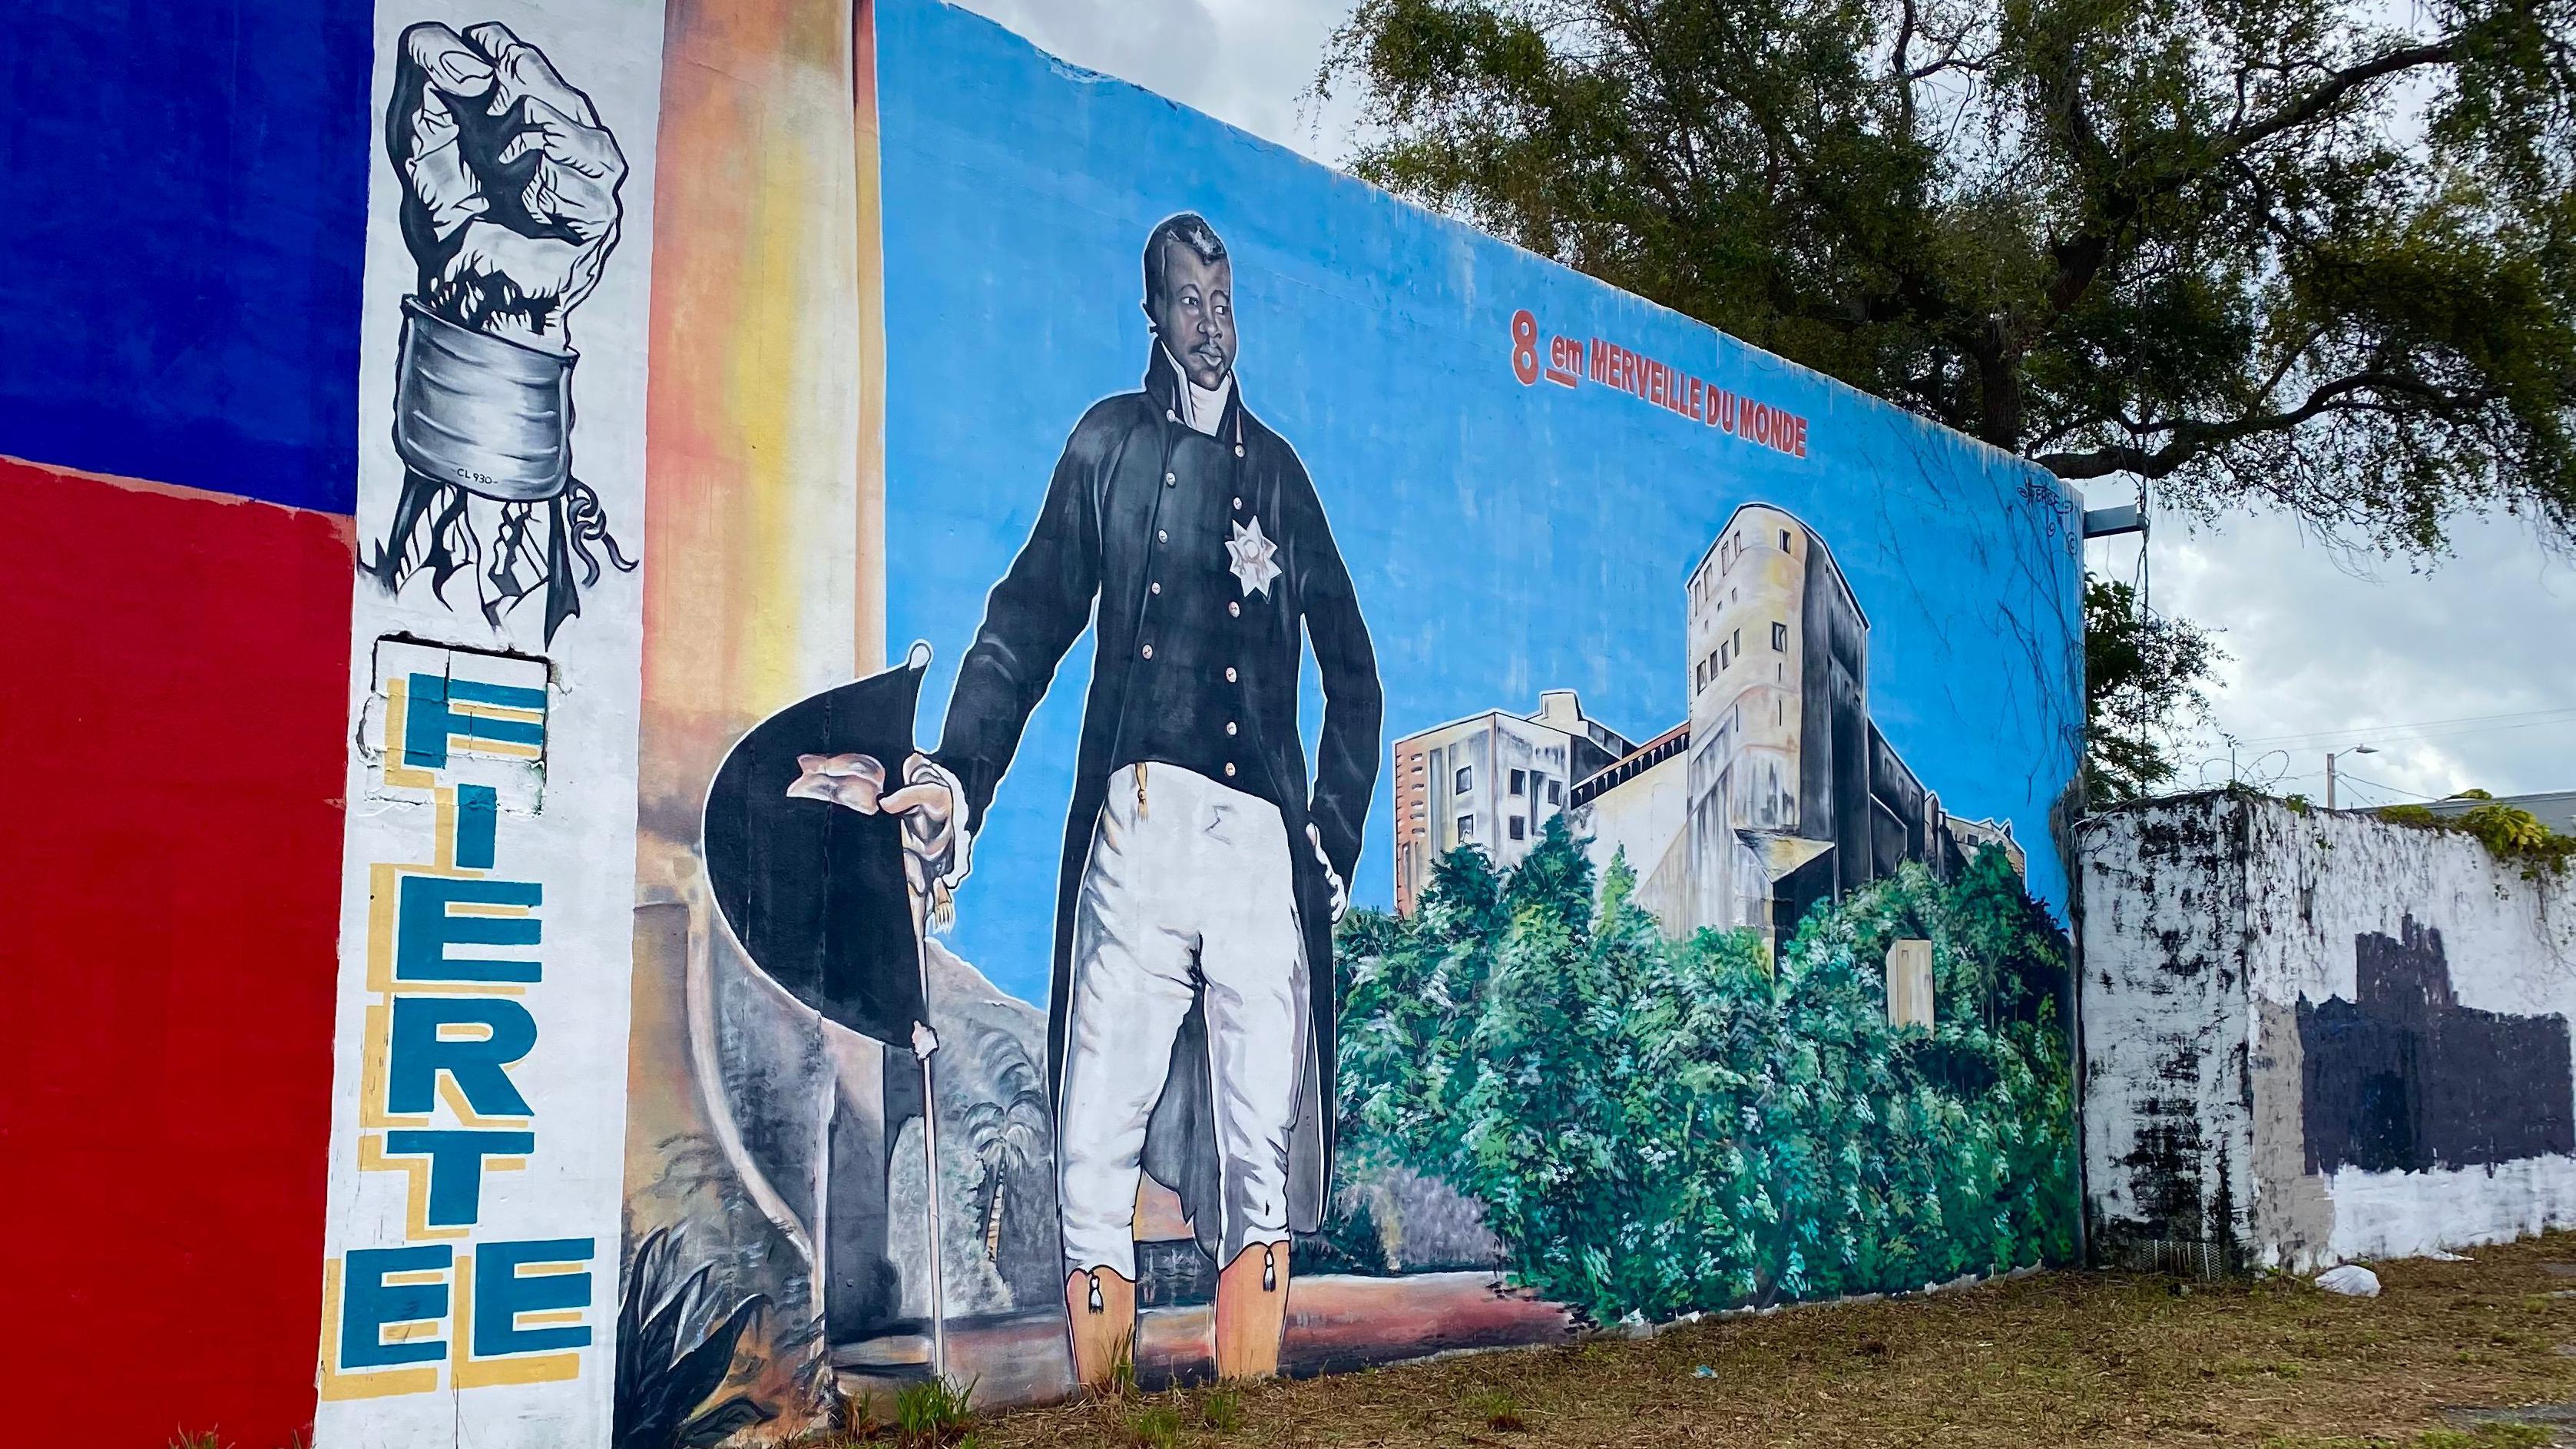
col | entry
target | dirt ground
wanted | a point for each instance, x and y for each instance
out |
(2058, 1358)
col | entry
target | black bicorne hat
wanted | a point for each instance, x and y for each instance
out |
(813, 890)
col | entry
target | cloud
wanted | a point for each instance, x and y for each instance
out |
(1248, 63)
(1163, 45)
(2443, 670)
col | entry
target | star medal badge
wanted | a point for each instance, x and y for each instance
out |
(1252, 556)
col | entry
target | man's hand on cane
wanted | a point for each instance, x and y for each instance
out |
(926, 801)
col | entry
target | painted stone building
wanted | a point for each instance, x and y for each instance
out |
(1777, 792)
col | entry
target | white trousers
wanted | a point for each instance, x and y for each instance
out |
(1189, 896)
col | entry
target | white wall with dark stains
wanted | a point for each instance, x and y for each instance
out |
(2400, 1119)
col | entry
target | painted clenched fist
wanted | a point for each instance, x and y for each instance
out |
(510, 201)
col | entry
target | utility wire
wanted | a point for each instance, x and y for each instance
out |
(2364, 730)
(2342, 775)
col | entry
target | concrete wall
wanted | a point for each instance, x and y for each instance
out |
(396, 550)
(2312, 1037)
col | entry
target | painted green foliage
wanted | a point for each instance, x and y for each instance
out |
(1659, 1127)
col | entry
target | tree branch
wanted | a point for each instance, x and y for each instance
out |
(2190, 439)
(2080, 258)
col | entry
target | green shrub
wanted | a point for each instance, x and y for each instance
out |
(1660, 1127)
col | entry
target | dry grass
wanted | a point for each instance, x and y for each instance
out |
(2065, 1358)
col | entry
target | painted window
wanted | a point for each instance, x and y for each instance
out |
(1784, 541)
(1466, 780)
(1519, 830)
(1520, 782)
(1779, 635)
(1466, 827)
(1556, 792)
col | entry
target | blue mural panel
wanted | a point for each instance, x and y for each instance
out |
(179, 279)
(1506, 537)
(1482, 772)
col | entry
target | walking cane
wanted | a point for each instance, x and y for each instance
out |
(930, 1176)
(918, 660)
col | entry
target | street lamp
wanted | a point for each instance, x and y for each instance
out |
(2330, 771)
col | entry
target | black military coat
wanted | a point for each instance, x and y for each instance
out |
(1141, 499)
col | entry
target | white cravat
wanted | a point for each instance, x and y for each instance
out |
(1201, 407)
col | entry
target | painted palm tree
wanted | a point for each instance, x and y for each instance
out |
(1007, 1128)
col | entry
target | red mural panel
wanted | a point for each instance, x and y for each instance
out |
(175, 699)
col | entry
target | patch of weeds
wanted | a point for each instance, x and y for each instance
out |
(2509, 833)
(1122, 1372)
(1498, 1411)
(1157, 1427)
(1221, 1410)
(185, 1440)
(933, 1413)
(2486, 1436)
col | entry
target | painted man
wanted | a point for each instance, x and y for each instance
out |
(1193, 1008)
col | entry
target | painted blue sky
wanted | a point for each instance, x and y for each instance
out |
(1503, 538)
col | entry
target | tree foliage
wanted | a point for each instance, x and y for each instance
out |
(1659, 1127)
(2271, 251)
(2509, 832)
(2143, 679)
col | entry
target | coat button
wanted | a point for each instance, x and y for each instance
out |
(1229, 674)
(1238, 450)
(1229, 727)
(1170, 479)
(1171, 416)
(1229, 769)
(1156, 587)
(1149, 651)
(1234, 608)
(1162, 536)
(1238, 503)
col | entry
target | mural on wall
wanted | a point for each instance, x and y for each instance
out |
(2402, 1078)
(770, 1141)
(510, 209)
(1234, 987)
(1203, 868)
(470, 1244)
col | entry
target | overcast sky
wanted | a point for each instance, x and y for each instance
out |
(2461, 675)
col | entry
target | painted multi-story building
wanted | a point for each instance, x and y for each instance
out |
(1490, 780)
(1778, 791)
